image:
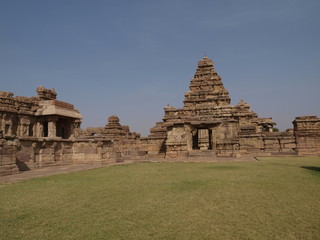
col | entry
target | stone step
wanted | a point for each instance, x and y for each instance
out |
(49, 164)
(202, 153)
(8, 170)
(96, 161)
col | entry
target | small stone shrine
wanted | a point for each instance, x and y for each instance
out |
(41, 116)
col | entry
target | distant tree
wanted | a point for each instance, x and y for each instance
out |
(275, 129)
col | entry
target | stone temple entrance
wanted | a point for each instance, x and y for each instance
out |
(202, 139)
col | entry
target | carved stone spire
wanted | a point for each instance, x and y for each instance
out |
(206, 87)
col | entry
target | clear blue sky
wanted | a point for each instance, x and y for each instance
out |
(131, 58)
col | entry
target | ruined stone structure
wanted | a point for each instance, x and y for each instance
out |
(307, 135)
(30, 127)
(41, 116)
(125, 144)
(43, 131)
(209, 126)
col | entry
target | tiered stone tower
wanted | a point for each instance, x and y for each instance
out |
(206, 88)
(207, 122)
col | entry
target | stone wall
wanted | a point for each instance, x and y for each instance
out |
(8, 150)
(49, 152)
(271, 143)
(177, 142)
(307, 133)
(114, 143)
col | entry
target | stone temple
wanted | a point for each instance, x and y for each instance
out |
(43, 131)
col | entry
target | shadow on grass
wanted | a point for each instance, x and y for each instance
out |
(312, 168)
(222, 167)
(189, 185)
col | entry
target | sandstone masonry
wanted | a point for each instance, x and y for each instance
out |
(43, 131)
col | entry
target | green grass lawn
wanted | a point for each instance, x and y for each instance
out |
(276, 198)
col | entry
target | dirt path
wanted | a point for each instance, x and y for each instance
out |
(40, 172)
(46, 172)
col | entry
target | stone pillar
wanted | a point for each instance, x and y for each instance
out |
(76, 128)
(19, 130)
(34, 130)
(52, 127)
(1, 123)
(203, 139)
(53, 151)
(41, 154)
(33, 154)
(39, 129)
(214, 138)
(187, 128)
(23, 127)
(70, 128)
(61, 152)
(99, 150)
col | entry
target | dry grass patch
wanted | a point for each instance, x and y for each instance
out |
(276, 198)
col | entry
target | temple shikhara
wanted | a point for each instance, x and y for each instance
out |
(43, 131)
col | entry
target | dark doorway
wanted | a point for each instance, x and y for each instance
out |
(210, 139)
(195, 141)
(62, 128)
(30, 130)
(45, 129)
(6, 128)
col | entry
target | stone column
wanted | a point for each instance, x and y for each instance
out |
(39, 129)
(203, 139)
(71, 128)
(53, 151)
(1, 123)
(33, 154)
(34, 130)
(23, 127)
(52, 127)
(76, 128)
(187, 128)
(99, 150)
(41, 154)
(19, 130)
(214, 138)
